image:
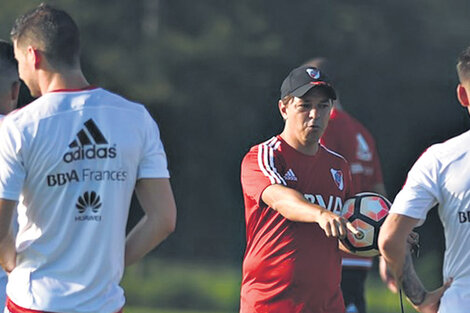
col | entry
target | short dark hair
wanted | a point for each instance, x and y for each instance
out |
(53, 31)
(8, 64)
(463, 65)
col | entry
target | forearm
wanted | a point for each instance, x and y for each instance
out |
(401, 266)
(292, 205)
(156, 198)
(144, 237)
(7, 240)
(395, 242)
(8, 253)
(297, 210)
(410, 283)
(394, 253)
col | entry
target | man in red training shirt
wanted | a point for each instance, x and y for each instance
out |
(293, 189)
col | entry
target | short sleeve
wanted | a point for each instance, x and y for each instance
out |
(153, 163)
(12, 169)
(420, 192)
(260, 169)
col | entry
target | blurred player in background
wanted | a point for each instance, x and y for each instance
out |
(294, 189)
(440, 176)
(9, 80)
(75, 155)
(351, 139)
(9, 92)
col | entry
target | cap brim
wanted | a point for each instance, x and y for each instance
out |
(299, 92)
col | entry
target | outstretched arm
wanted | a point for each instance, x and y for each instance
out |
(7, 240)
(293, 206)
(393, 246)
(156, 199)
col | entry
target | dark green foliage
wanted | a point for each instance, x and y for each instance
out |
(210, 73)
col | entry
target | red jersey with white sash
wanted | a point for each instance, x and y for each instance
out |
(291, 266)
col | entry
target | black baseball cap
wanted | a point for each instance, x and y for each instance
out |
(302, 79)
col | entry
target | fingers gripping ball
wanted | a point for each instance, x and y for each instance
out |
(367, 212)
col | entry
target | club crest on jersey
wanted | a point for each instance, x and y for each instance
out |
(313, 72)
(338, 178)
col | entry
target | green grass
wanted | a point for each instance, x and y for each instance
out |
(182, 285)
(381, 300)
(169, 286)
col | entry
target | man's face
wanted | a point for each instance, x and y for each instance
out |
(26, 67)
(307, 117)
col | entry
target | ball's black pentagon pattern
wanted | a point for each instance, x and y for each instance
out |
(358, 217)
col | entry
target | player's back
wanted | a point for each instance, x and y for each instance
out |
(80, 152)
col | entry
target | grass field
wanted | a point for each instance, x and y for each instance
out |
(177, 287)
(157, 286)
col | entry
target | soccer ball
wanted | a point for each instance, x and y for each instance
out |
(367, 212)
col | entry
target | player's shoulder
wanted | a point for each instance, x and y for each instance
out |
(334, 158)
(263, 149)
(57, 102)
(117, 97)
(272, 143)
(23, 115)
(333, 154)
(120, 102)
(455, 142)
(91, 97)
(451, 148)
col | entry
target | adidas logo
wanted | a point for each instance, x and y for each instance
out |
(85, 145)
(88, 200)
(290, 175)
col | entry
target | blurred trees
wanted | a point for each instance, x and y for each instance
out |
(210, 72)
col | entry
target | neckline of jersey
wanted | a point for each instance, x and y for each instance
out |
(89, 87)
(289, 147)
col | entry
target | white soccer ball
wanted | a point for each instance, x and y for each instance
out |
(367, 212)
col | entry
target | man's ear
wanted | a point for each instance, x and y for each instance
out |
(282, 109)
(35, 56)
(462, 95)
